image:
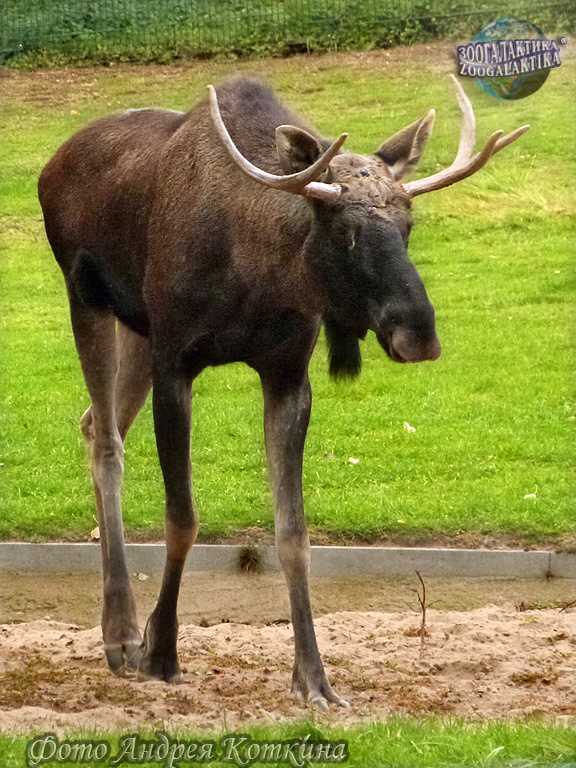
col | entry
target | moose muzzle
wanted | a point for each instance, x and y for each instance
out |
(407, 346)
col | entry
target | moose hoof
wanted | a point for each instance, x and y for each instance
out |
(163, 668)
(316, 692)
(123, 658)
(159, 656)
(322, 701)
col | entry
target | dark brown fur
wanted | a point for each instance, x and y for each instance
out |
(152, 223)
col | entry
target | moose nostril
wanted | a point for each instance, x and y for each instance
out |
(410, 348)
(434, 349)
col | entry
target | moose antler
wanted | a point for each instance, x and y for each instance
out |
(465, 164)
(301, 183)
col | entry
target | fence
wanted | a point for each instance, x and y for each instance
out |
(44, 31)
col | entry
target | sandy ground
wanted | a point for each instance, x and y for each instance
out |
(247, 598)
(489, 653)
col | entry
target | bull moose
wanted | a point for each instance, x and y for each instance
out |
(231, 232)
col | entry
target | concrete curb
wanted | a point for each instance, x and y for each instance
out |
(326, 561)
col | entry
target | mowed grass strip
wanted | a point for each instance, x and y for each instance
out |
(398, 743)
(493, 419)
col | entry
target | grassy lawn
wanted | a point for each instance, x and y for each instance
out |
(493, 418)
(399, 743)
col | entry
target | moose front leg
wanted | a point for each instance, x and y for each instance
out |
(286, 416)
(171, 401)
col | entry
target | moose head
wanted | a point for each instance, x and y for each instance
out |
(358, 241)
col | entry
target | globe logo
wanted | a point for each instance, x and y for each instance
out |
(509, 58)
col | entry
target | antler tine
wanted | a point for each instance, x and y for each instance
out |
(465, 164)
(510, 137)
(468, 129)
(293, 182)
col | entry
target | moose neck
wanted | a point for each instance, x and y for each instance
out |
(337, 278)
(284, 234)
(312, 277)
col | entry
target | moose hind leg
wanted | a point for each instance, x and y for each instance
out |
(95, 337)
(133, 381)
(286, 416)
(134, 377)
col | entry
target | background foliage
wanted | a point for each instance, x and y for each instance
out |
(34, 32)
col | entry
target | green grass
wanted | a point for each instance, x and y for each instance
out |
(494, 417)
(398, 743)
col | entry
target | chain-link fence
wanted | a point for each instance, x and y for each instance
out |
(161, 30)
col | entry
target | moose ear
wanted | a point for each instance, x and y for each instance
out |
(402, 152)
(297, 149)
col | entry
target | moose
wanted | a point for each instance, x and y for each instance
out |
(230, 233)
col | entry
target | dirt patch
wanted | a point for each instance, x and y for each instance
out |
(465, 540)
(246, 598)
(257, 535)
(490, 662)
(74, 85)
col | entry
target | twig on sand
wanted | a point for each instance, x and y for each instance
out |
(422, 600)
(565, 607)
